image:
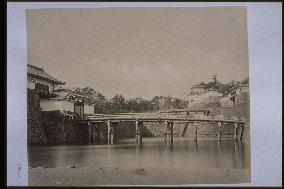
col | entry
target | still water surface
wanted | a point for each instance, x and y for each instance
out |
(154, 153)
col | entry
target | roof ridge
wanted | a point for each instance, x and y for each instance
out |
(38, 68)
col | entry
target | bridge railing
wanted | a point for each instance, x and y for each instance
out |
(158, 115)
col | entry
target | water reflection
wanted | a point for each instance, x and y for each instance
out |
(183, 153)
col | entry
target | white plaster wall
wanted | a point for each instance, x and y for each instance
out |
(67, 105)
(88, 109)
(51, 105)
(31, 85)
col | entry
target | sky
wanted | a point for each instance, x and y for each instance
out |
(139, 52)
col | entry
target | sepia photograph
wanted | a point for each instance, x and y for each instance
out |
(138, 96)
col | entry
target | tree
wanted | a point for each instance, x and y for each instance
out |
(118, 103)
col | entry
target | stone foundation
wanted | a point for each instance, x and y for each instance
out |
(51, 127)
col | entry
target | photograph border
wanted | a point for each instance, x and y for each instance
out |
(263, 22)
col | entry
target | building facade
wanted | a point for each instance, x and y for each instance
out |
(52, 99)
(42, 82)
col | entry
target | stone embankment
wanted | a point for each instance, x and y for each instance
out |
(51, 127)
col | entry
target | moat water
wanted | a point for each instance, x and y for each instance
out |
(185, 153)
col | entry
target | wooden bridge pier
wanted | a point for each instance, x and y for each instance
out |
(219, 130)
(235, 131)
(186, 126)
(195, 125)
(184, 130)
(238, 131)
(241, 132)
(168, 120)
(138, 131)
(111, 132)
(169, 132)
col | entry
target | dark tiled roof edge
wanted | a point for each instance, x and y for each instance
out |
(41, 74)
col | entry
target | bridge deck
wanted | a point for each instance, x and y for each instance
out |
(158, 117)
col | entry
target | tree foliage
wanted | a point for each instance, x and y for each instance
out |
(119, 104)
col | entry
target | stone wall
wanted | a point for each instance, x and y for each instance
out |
(240, 110)
(204, 130)
(51, 127)
(60, 130)
(35, 131)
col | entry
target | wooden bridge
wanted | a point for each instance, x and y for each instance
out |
(168, 119)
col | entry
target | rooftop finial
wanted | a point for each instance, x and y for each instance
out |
(215, 78)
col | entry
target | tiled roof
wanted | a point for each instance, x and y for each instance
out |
(245, 82)
(39, 73)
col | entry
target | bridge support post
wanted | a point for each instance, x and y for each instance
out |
(109, 133)
(115, 133)
(241, 133)
(184, 130)
(195, 125)
(138, 134)
(166, 130)
(235, 131)
(220, 130)
(94, 133)
(169, 132)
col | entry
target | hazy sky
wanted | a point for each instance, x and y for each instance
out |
(139, 51)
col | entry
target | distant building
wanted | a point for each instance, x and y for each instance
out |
(236, 93)
(51, 99)
(203, 91)
(198, 88)
(69, 103)
(41, 81)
